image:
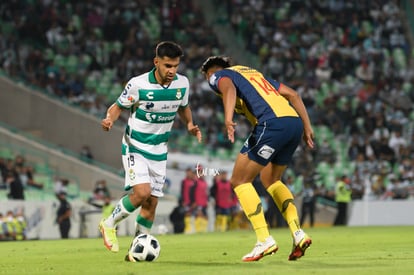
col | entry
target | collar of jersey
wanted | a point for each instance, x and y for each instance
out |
(153, 80)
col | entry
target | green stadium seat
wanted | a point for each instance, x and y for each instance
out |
(45, 179)
(322, 168)
(59, 60)
(407, 87)
(71, 64)
(7, 28)
(298, 184)
(117, 46)
(399, 58)
(6, 153)
(49, 54)
(91, 82)
(367, 27)
(222, 154)
(76, 21)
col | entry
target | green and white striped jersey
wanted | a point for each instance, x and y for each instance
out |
(152, 112)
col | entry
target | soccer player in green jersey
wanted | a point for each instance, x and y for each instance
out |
(153, 99)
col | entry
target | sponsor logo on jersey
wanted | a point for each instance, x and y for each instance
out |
(150, 117)
(149, 105)
(212, 79)
(265, 152)
(150, 95)
(159, 118)
(165, 118)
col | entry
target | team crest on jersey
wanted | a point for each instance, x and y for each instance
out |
(179, 94)
(265, 152)
(131, 174)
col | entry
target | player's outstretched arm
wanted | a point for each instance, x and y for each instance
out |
(187, 117)
(112, 114)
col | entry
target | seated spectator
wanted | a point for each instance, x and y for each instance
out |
(16, 191)
(10, 227)
(61, 186)
(100, 191)
(20, 226)
(105, 205)
(396, 189)
(25, 172)
(86, 154)
(3, 228)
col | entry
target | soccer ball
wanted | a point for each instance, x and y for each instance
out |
(145, 247)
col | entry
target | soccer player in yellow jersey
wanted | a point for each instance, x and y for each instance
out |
(280, 121)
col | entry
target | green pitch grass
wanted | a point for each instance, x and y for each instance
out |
(336, 250)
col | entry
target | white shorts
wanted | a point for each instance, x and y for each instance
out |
(140, 170)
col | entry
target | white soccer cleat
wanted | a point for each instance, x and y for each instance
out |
(261, 249)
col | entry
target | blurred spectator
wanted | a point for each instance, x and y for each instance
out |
(25, 172)
(177, 216)
(20, 226)
(10, 226)
(343, 194)
(16, 191)
(186, 185)
(397, 142)
(63, 215)
(86, 154)
(100, 191)
(223, 195)
(396, 189)
(199, 199)
(61, 185)
(3, 228)
(309, 193)
(105, 204)
(406, 169)
(357, 185)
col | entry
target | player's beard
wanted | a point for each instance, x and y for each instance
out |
(165, 79)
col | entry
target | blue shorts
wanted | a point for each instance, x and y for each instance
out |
(274, 140)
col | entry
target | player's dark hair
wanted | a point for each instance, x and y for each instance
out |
(220, 61)
(168, 49)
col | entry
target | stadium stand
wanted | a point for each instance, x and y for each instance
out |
(351, 74)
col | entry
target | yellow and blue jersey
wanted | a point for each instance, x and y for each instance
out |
(258, 98)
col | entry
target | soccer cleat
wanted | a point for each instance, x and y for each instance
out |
(129, 258)
(298, 250)
(109, 237)
(261, 249)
